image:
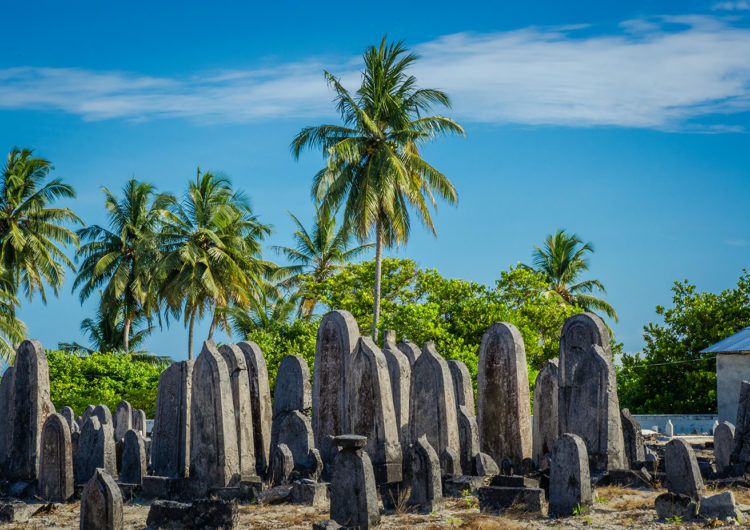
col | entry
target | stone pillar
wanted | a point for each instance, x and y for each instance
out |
(504, 409)
(632, 437)
(291, 404)
(96, 449)
(399, 371)
(55, 482)
(544, 422)
(683, 474)
(101, 503)
(423, 476)
(411, 351)
(569, 480)
(260, 400)
(123, 419)
(170, 436)
(723, 445)
(133, 458)
(354, 497)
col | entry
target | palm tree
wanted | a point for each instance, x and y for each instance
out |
(212, 244)
(318, 255)
(122, 257)
(374, 166)
(262, 314)
(562, 260)
(31, 232)
(12, 330)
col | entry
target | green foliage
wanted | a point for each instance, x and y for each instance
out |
(80, 379)
(672, 374)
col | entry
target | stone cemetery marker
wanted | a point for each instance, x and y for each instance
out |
(423, 477)
(170, 445)
(139, 421)
(260, 397)
(371, 413)
(468, 435)
(213, 436)
(294, 430)
(450, 462)
(411, 351)
(133, 458)
(632, 437)
(504, 418)
(105, 416)
(243, 414)
(123, 419)
(70, 417)
(544, 422)
(7, 402)
(87, 412)
(96, 449)
(30, 409)
(723, 444)
(399, 371)
(683, 474)
(462, 388)
(741, 451)
(432, 410)
(55, 481)
(292, 390)
(101, 503)
(485, 466)
(354, 497)
(337, 338)
(669, 429)
(587, 397)
(282, 465)
(569, 479)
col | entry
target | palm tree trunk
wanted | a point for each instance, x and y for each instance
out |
(213, 325)
(378, 266)
(126, 335)
(190, 335)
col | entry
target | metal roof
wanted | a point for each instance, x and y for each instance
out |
(737, 343)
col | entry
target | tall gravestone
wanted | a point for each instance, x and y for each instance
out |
(291, 404)
(544, 422)
(723, 445)
(170, 436)
(468, 436)
(587, 396)
(133, 458)
(569, 479)
(7, 403)
(243, 414)
(101, 503)
(632, 437)
(432, 410)
(123, 419)
(422, 476)
(139, 421)
(399, 371)
(371, 412)
(411, 351)
(260, 398)
(337, 338)
(96, 449)
(354, 497)
(683, 473)
(213, 435)
(504, 411)
(741, 453)
(55, 481)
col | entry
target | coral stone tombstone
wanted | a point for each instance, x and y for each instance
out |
(569, 479)
(96, 449)
(260, 400)
(282, 465)
(371, 412)
(70, 417)
(723, 444)
(104, 415)
(55, 481)
(544, 422)
(337, 338)
(170, 436)
(683, 474)
(423, 476)
(587, 395)
(294, 430)
(213, 435)
(87, 412)
(504, 410)
(632, 437)
(133, 458)
(741, 452)
(462, 388)
(101, 503)
(139, 421)
(243, 414)
(354, 497)
(468, 436)
(7, 402)
(123, 419)
(292, 400)
(411, 351)
(450, 462)
(399, 372)
(432, 409)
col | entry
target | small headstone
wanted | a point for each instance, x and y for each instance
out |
(139, 421)
(423, 477)
(720, 506)
(411, 350)
(450, 462)
(282, 465)
(101, 503)
(632, 437)
(468, 436)
(133, 458)
(669, 429)
(569, 480)
(399, 371)
(170, 436)
(260, 398)
(544, 422)
(123, 419)
(55, 481)
(485, 465)
(354, 497)
(96, 449)
(723, 445)
(683, 474)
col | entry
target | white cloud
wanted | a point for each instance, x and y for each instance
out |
(658, 73)
(742, 5)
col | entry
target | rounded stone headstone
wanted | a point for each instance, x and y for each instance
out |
(139, 421)
(55, 482)
(104, 414)
(101, 503)
(468, 435)
(569, 480)
(683, 473)
(632, 437)
(293, 429)
(422, 475)
(292, 391)
(282, 465)
(69, 416)
(133, 458)
(96, 449)
(723, 444)
(123, 419)
(450, 462)
(544, 422)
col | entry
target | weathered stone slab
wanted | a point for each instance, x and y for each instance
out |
(133, 458)
(450, 462)
(123, 419)
(260, 400)
(411, 350)
(310, 493)
(170, 446)
(328, 451)
(468, 436)
(96, 449)
(632, 437)
(683, 474)
(544, 422)
(422, 475)
(101, 503)
(7, 403)
(292, 390)
(741, 453)
(139, 421)
(485, 465)
(569, 481)
(496, 499)
(337, 338)
(504, 410)
(432, 411)
(294, 430)
(587, 397)
(671, 505)
(55, 481)
(720, 506)
(456, 486)
(399, 371)
(462, 388)
(203, 513)
(354, 497)
(282, 465)
(513, 481)
(371, 412)
(723, 445)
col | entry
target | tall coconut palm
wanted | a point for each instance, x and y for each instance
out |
(121, 258)
(374, 165)
(563, 259)
(31, 231)
(12, 330)
(212, 244)
(318, 255)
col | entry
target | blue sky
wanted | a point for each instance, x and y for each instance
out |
(627, 124)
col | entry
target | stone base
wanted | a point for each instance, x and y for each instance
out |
(204, 513)
(457, 485)
(513, 481)
(497, 499)
(669, 505)
(16, 511)
(310, 493)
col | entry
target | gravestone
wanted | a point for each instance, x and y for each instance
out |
(504, 411)
(260, 400)
(485, 466)
(282, 465)
(399, 371)
(450, 462)
(683, 474)
(243, 414)
(170, 436)
(370, 410)
(139, 421)
(741, 452)
(133, 458)
(123, 419)
(423, 476)
(87, 412)
(104, 415)
(96, 449)
(292, 400)
(632, 437)
(354, 497)
(101, 503)
(544, 422)
(213, 436)
(294, 430)
(587, 396)
(55, 481)
(7, 401)
(669, 429)
(70, 417)
(462, 388)
(723, 445)
(569, 479)
(337, 338)
(432, 409)
(411, 350)
(468, 436)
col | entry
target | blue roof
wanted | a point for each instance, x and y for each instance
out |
(737, 343)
